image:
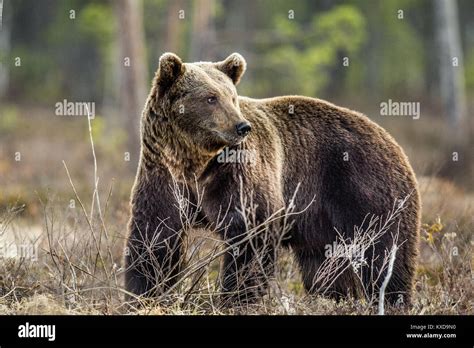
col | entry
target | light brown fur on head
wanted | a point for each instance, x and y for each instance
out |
(192, 112)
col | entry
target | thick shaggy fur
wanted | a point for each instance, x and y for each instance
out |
(346, 167)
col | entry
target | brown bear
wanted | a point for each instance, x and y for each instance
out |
(337, 166)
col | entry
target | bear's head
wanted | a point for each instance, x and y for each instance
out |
(199, 101)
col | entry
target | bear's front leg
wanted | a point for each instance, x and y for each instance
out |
(248, 266)
(250, 244)
(153, 253)
(153, 260)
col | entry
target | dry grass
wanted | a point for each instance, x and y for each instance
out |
(78, 270)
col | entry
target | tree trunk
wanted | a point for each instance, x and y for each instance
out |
(173, 27)
(237, 23)
(5, 31)
(203, 35)
(451, 75)
(133, 72)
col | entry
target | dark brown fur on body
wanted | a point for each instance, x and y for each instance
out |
(191, 115)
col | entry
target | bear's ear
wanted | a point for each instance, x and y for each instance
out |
(169, 69)
(233, 66)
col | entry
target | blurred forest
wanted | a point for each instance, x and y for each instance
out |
(77, 53)
(354, 53)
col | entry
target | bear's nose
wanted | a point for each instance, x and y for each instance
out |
(243, 128)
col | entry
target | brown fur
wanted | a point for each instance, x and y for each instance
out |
(305, 147)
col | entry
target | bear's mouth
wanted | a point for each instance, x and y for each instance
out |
(230, 140)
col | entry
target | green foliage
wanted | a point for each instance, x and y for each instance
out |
(401, 52)
(8, 119)
(95, 22)
(107, 139)
(307, 52)
(78, 58)
(469, 69)
(36, 67)
(341, 28)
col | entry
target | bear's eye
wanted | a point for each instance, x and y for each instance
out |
(212, 100)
